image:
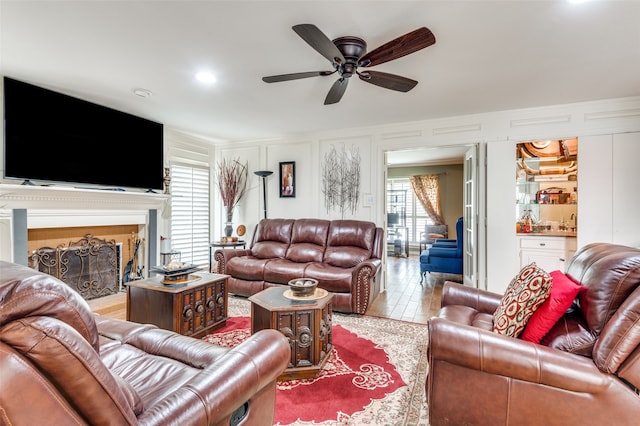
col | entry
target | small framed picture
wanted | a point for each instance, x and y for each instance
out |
(287, 179)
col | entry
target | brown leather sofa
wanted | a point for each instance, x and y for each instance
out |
(586, 371)
(343, 255)
(62, 365)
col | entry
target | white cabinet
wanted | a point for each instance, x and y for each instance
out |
(549, 252)
(609, 209)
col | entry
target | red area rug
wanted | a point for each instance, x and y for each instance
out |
(375, 374)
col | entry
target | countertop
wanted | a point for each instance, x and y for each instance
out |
(548, 234)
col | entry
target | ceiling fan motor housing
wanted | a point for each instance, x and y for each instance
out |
(352, 48)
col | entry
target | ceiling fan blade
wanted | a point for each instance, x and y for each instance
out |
(388, 81)
(399, 47)
(320, 42)
(295, 76)
(336, 91)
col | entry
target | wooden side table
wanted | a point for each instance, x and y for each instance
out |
(193, 309)
(307, 325)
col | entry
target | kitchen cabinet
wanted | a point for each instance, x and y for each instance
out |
(549, 252)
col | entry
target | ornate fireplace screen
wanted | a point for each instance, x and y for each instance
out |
(91, 266)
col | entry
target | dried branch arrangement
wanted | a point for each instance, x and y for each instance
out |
(341, 180)
(232, 183)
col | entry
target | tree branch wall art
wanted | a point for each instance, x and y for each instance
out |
(341, 180)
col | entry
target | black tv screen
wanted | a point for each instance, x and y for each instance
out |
(53, 137)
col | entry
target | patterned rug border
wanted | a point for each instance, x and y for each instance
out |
(405, 344)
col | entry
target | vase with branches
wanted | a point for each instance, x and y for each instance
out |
(232, 183)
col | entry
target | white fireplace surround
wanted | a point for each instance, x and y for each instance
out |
(60, 207)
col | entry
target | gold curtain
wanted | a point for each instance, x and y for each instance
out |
(427, 190)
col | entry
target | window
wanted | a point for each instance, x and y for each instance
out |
(416, 215)
(190, 213)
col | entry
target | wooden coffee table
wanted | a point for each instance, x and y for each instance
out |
(306, 323)
(194, 308)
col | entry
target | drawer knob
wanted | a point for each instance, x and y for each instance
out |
(211, 303)
(542, 244)
(188, 313)
(200, 308)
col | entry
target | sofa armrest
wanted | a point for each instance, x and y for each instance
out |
(444, 251)
(457, 294)
(372, 265)
(495, 354)
(222, 256)
(224, 378)
(364, 284)
(444, 242)
(224, 386)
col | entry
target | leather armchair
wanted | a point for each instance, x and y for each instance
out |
(60, 364)
(585, 371)
(444, 256)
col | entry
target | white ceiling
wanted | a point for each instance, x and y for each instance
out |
(489, 56)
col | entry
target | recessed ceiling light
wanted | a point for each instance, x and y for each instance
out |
(206, 77)
(143, 93)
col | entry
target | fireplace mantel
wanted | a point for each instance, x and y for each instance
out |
(61, 197)
(60, 206)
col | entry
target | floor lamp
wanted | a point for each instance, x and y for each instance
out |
(263, 174)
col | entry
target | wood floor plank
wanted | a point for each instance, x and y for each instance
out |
(404, 299)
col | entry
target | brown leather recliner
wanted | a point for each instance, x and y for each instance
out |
(343, 255)
(61, 365)
(586, 371)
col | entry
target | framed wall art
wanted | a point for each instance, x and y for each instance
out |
(287, 179)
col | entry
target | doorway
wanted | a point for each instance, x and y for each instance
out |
(459, 196)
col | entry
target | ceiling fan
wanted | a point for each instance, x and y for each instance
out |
(348, 53)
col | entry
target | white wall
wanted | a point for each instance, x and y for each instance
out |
(608, 198)
(499, 131)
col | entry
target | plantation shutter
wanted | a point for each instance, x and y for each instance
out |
(417, 216)
(190, 213)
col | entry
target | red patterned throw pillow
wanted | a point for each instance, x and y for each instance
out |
(526, 292)
(563, 293)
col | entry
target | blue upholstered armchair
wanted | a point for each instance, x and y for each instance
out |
(443, 256)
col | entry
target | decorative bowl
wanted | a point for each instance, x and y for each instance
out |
(303, 286)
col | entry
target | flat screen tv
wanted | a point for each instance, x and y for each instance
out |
(51, 137)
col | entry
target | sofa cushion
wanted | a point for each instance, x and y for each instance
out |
(345, 257)
(308, 240)
(563, 293)
(526, 292)
(272, 238)
(305, 252)
(246, 267)
(571, 334)
(331, 278)
(349, 242)
(282, 271)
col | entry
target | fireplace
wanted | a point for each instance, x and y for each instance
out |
(35, 217)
